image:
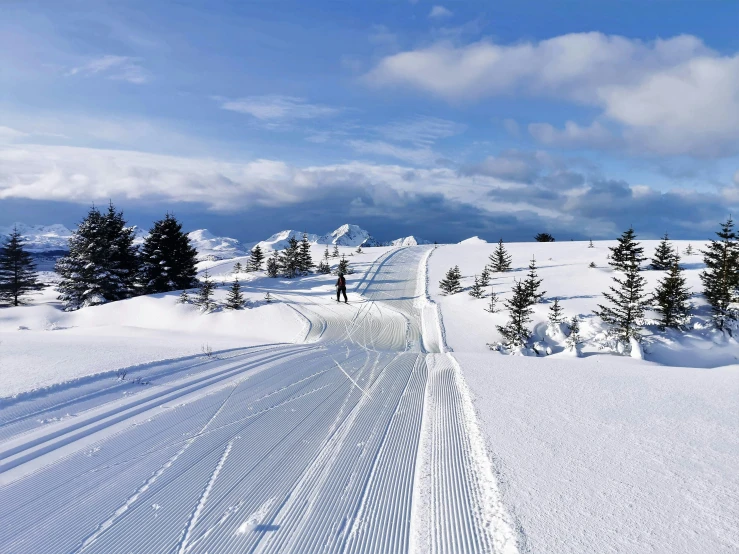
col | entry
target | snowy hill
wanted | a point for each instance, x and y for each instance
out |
(279, 241)
(409, 241)
(211, 247)
(348, 235)
(41, 238)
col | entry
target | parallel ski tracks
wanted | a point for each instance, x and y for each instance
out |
(357, 442)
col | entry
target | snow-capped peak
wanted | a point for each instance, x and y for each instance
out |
(348, 235)
(40, 238)
(212, 247)
(279, 241)
(409, 241)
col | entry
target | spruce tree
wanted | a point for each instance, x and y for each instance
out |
(485, 277)
(450, 284)
(492, 305)
(323, 267)
(305, 261)
(206, 289)
(721, 276)
(689, 250)
(184, 298)
(273, 267)
(628, 303)
(672, 297)
(335, 253)
(237, 268)
(574, 341)
(168, 259)
(556, 313)
(289, 260)
(516, 332)
(532, 283)
(84, 269)
(123, 257)
(326, 254)
(626, 252)
(500, 260)
(591, 245)
(477, 291)
(268, 298)
(256, 257)
(234, 298)
(344, 267)
(17, 270)
(664, 255)
(544, 237)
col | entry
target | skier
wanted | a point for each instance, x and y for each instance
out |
(341, 287)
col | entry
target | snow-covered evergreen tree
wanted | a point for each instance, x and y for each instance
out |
(344, 267)
(516, 332)
(477, 291)
(268, 298)
(673, 297)
(273, 266)
(500, 259)
(305, 260)
(206, 289)
(492, 306)
(256, 257)
(556, 313)
(323, 267)
(574, 341)
(689, 250)
(626, 252)
(591, 265)
(628, 301)
(335, 253)
(485, 277)
(664, 255)
(123, 257)
(234, 298)
(184, 298)
(238, 268)
(86, 267)
(18, 276)
(533, 282)
(450, 284)
(289, 260)
(544, 237)
(325, 254)
(168, 259)
(591, 245)
(721, 276)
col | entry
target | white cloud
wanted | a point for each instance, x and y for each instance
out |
(416, 156)
(277, 107)
(439, 12)
(8, 134)
(121, 68)
(573, 135)
(736, 178)
(422, 130)
(673, 96)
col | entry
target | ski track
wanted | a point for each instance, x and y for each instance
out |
(361, 439)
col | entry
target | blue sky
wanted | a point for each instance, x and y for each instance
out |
(444, 120)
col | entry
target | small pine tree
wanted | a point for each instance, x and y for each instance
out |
(359, 249)
(672, 296)
(591, 245)
(206, 289)
(544, 237)
(500, 260)
(238, 268)
(629, 302)
(344, 267)
(17, 270)
(485, 277)
(532, 283)
(268, 298)
(721, 276)
(290, 259)
(574, 341)
(326, 254)
(256, 257)
(450, 284)
(664, 255)
(235, 299)
(183, 298)
(273, 267)
(477, 291)
(335, 253)
(516, 332)
(592, 264)
(323, 267)
(168, 259)
(305, 260)
(626, 252)
(556, 313)
(689, 250)
(492, 305)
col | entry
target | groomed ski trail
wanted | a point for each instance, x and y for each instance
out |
(361, 440)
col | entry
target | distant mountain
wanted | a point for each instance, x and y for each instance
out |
(210, 247)
(473, 240)
(279, 241)
(348, 235)
(41, 238)
(408, 241)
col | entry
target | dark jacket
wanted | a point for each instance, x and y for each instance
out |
(341, 282)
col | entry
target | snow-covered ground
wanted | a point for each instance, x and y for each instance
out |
(602, 453)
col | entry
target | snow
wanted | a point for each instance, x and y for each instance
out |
(40, 238)
(215, 248)
(409, 241)
(281, 240)
(348, 235)
(473, 240)
(605, 453)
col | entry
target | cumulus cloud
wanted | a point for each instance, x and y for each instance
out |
(278, 107)
(501, 191)
(673, 96)
(438, 12)
(121, 68)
